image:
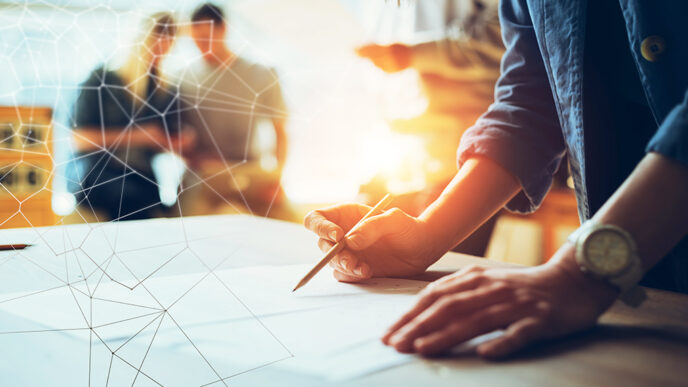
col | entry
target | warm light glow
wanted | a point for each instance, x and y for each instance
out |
(303, 190)
(346, 141)
(398, 158)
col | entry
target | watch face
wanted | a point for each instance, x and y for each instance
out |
(607, 252)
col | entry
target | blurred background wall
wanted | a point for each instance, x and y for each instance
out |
(339, 103)
(345, 138)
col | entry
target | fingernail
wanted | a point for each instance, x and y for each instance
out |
(395, 339)
(344, 263)
(352, 241)
(358, 272)
(333, 235)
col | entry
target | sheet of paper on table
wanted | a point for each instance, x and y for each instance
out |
(218, 324)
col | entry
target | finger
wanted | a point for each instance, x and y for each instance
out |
(344, 216)
(322, 226)
(430, 294)
(345, 263)
(338, 261)
(464, 271)
(341, 277)
(517, 336)
(485, 321)
(325, 245)
(448, 309)
(448, 282)
(363, 270)
(372, 229)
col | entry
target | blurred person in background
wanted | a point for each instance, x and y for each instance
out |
(459, 61)
(122, 118)
(229, 98)
(469, 52)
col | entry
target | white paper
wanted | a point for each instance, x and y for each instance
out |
(227, 321)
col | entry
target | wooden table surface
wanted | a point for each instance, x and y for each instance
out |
(643, 346)
(640, 346)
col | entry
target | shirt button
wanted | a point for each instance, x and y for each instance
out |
(652, 48)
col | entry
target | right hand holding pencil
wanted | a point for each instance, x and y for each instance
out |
(391, 244)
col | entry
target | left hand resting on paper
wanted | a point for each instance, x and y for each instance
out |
(530, 304)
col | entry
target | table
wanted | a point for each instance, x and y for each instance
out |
(644, 346)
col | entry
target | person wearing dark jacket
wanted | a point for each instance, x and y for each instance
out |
(122, 118)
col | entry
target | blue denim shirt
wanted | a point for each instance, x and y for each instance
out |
(537, 116)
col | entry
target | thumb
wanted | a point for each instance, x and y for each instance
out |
(372, 229)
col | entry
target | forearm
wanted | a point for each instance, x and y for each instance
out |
(478, 191)
(92, 138)
(652, 205)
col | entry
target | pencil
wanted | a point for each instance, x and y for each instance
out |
(380, 206)
(18, 246)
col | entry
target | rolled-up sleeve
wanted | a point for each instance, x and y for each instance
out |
(520, 131)
(671, 139)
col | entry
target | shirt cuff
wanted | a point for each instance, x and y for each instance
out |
(671, 139)
(512, 155)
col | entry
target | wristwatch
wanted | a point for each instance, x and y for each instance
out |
(608, 252)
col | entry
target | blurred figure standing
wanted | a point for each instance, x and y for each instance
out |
(122, 118)
(469, 50)
(229, 97)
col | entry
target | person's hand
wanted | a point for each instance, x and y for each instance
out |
(390, 59)
(392, 244)
(530, 304)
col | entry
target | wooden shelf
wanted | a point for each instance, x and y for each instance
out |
(26, 167)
